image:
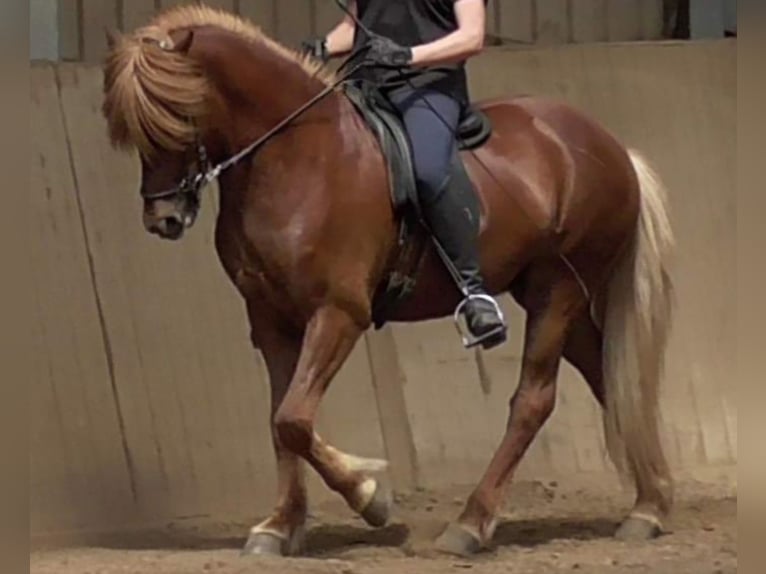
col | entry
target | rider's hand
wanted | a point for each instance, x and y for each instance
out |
(385, 52)
(316, 48)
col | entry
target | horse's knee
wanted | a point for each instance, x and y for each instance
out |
(293, 432)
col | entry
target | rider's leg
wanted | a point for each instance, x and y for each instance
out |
(449, 202)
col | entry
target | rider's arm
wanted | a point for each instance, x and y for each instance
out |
(466, 41)
(341, 39)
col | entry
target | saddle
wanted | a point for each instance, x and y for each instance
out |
(473, 130)
(381, 117)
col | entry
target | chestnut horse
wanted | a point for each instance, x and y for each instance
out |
(573, 225)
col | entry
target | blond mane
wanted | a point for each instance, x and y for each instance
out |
(154, 96)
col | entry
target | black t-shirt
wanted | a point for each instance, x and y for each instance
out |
(410, 23)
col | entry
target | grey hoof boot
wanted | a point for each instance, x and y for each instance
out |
(378, 511)
(635, 528)
(458, 541)
(265, 543)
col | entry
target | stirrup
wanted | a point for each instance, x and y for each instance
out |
(488, 339)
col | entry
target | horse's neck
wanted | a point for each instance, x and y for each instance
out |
(255, 82)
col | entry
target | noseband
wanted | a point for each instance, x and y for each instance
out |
(190, 186)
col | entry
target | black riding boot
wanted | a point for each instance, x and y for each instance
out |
(453, 218)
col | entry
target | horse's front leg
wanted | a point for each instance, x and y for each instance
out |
(330, 337)
(283, 532)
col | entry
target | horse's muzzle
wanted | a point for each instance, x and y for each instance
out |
(170, 227)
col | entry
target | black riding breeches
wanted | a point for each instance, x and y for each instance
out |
(431, 119)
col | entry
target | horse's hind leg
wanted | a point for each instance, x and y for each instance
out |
(584, 349)
(551, 302)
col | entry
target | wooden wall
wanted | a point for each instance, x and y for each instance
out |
(82, 22)
(148, 404)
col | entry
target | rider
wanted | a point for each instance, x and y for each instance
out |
(418, 50)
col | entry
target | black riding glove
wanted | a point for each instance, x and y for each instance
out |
(385, 52)
(316, 48)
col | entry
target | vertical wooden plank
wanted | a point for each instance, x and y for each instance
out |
(294, 21)
(589, 21)
(706, 71)
(79, 471)
(169, 3)
(196, 411)
(69, 18)
(43, 30)
(97, 16)
(388, 380)
(624, 20)
(516, 20)
(223, 4)
(730, 15)
(327, 16)
(137, 13)
(552, 22)
(227, 5)
(706, 19)
(651, 19)
(261, 12)
(492, 25)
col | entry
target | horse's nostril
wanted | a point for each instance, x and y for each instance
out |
(173, 226)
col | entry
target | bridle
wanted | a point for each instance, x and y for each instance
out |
(190, 187)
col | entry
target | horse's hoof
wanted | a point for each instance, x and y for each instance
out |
(636, 529)
(378, 510)
(265, 543)
(459, 541)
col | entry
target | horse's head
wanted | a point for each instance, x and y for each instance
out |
(154, 101)
(172, 90)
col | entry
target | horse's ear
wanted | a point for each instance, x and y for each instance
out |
(111, 38)
(183, 43)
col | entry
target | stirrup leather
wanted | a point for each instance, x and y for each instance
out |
(485, 340)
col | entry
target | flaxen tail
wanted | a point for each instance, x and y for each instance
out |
(636, 327)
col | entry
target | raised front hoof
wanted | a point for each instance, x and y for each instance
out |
(458, 541)
(270, 544)
(378, 511)
(638, 529)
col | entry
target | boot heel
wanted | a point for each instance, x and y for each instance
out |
(491, 339)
